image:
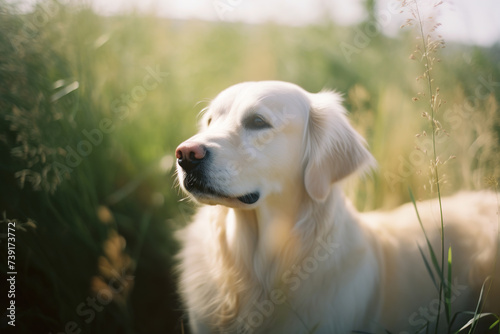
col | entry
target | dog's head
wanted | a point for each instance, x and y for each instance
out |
(261, 139)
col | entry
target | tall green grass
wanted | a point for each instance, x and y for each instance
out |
(113, 215)
(427, 51)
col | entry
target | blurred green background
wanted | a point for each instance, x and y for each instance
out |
(92, 108)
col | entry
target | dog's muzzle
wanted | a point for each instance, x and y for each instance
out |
(192, 158)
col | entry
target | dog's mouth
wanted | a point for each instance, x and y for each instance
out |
(201, 190)
(250, 198)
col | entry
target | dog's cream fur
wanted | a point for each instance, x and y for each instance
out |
(301, 259)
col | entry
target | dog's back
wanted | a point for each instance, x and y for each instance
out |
(471, 227)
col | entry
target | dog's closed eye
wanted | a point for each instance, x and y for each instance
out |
(256, 122)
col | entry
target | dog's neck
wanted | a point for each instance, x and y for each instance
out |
(278, 235)
(268, 249)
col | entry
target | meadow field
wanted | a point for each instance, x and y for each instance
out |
(92, 108)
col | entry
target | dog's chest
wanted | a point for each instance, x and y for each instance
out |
(307, 299)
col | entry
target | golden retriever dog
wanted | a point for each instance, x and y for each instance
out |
(277, 248)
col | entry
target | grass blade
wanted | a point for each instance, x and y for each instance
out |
(473, 321)
(447, 289)
(435, 262)
(455, 318)
(427, 265)
(439, 269)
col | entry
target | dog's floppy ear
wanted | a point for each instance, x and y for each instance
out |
(334, 149)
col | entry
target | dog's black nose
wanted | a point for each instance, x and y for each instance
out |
(189, 155)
